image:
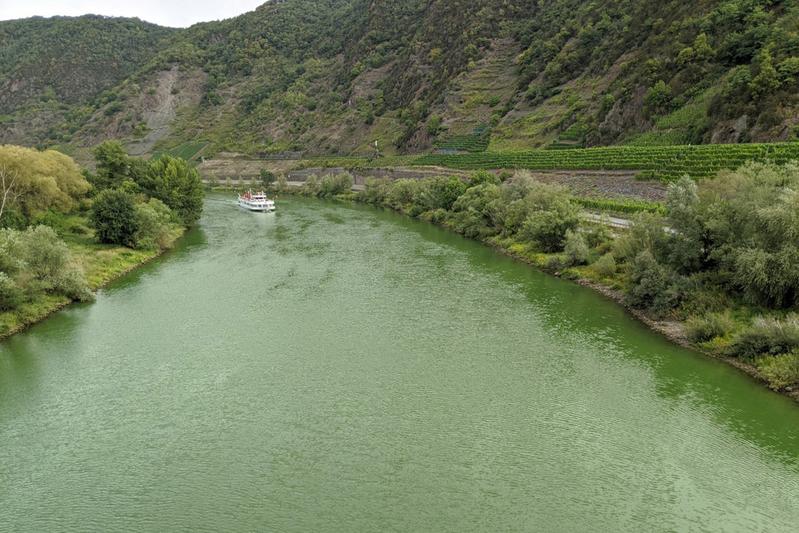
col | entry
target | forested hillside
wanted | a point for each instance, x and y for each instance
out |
(53, 71)
(334, 76)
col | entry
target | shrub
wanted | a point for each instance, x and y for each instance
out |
(72, 284)
(710, 326)
(483, 176)
(113, 217)
(438, 193)
(597, 235)
(312, 186)
(436, 216)
(154, 225)
(767, 336)
(547, 229)
(605, 266)
(576, 249)
(653, 286)
(375, 191)
(11, 296)
(646, 234)
(36, 261)
(334, 184)
(781, 371)
(44, 253)
(474, 213)
(268, 178)
(556, 263)
(550, 214)
(401, 194)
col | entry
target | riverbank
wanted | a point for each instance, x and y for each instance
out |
(674, 330)
(102, 265)
(675, 325)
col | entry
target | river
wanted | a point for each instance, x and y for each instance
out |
(338, 368)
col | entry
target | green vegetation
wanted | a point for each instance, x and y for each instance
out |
(474, 142)
(60, 69)
(662, 162)
(721, 256)
(622, 206)
(60, 237)
(333, 76)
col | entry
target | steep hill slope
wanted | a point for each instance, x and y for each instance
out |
(334, 76)
(52, 71)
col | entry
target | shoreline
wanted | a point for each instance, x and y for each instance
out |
(63, 302)
(672, 330)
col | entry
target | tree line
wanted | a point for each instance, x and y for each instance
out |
(49, 208)
(722, 254)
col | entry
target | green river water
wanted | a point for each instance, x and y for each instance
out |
(338, 368)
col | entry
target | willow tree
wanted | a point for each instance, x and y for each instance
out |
(34, 181)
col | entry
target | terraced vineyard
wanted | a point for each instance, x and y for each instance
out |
(628, 206)
(477, 141)
(654, 162)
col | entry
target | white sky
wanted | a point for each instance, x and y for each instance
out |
(174, 13)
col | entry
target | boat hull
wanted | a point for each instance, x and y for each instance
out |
(257, 208)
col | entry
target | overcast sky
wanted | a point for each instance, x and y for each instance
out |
(175, 13)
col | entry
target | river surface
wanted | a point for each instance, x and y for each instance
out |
(339, 368)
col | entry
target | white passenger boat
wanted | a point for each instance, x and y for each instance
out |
(256, 201)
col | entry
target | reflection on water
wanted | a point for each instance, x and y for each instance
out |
(332, 367)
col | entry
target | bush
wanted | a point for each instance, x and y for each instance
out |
(605, 266)
(708, 327)
(645, 235)
(268, 178)
(781, 371)
(401, 195)
(312, 186)
(474, 213)
(375, 191)
(547, 229)
(45, 254)
(11, 296)
(436, 216)
(438, 193)
(483, 176)
(72, 284)
(154, 225)
(550, 214)
(576, 249)
(113, 217)
(34, 262)
(654, 287)
(767, 336)
(334, 184)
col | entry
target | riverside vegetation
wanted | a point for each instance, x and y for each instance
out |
(721, 256)
(66, 232)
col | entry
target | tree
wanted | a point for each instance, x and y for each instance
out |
(268, 178)
(35, 181)
(550, 214)
(767, 80)
(113, 165)
(8, 188)
(658, 98)
(174, 182)
(113, 216)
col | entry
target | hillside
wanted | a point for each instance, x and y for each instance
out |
(334, 76)
(53, 71)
